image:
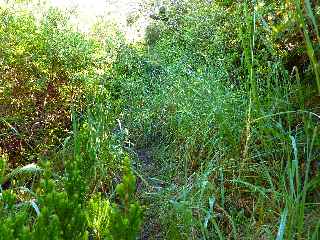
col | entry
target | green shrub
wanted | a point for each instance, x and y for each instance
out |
(43, 65)
(125, 217)
(120, 220)
(49, 214)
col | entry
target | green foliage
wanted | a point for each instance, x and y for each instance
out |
(98, 216)
(49, 73)
(180, 106)
(125, 217)
(43, 65)
(120, 220)
(52, 214)
(14, 227)
(217, 110)
(61, 216)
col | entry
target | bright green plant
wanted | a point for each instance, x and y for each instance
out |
(98, 216)
(120, 220)
(126, 216)
(48, 214)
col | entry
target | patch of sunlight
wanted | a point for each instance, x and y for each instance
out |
(131, 16)
(117, 11)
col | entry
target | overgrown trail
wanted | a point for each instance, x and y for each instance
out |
(146, 188)
(200, 115)
(175, 129)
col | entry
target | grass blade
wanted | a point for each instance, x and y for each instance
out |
(282, 226)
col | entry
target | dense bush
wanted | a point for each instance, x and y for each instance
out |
(57, 142)
(43, 67)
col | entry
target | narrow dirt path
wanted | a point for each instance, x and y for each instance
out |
(148, 186)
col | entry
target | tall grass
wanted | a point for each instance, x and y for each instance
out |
(240, 180)
(295, 181)
(309, 44)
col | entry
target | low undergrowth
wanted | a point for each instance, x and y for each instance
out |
(209, 129)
